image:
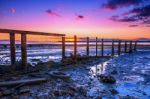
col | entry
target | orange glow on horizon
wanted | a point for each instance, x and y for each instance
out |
(100, 32)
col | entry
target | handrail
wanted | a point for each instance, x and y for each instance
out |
(29, 32)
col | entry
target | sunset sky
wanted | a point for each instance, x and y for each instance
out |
(125, 19)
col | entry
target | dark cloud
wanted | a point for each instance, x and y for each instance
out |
(140, 15)
(128, 19)
(114, 4)
(133, 25)
(124, 19)
(80, 17)
(52, 13)
(114, 18)
(141, 11)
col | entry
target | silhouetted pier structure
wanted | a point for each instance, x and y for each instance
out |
(23, 43)
(128, 46)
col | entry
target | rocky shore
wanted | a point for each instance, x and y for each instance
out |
(88, 79)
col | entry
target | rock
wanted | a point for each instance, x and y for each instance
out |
(144, 93)
(14, 97)
(114, 72)
(48, 64)
(82, 90)
(98, 97)
(68, 61)
(107, 79)
(83, 62)
(23, 91)
(128, 97)
(57, 93)
(7, 92)
(113, 91)
(88, 68)
(57, 74)
(1, 94)
(72, 88)
(63, 93)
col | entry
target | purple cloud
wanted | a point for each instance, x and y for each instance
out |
(140, 15)
(52, 13)
(115, 4)
(124, 19)
(133, 25)
(79, 16)
(12, 10)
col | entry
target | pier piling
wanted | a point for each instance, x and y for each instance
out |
(125, 46)
(119, 47)
(87, 47)
(12, 48)
(102, 47)
(130, 48)
(135, 45)
(112, 52)
(24, 50)
(63, 47)
(96, 46)
(75, 47)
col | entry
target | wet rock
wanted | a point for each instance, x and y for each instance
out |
(1, 94)
(48, 64)
(114, 72)
(57, 74)
(23, 91)
(68, 61)
(7, 92)
(14, 97)
(88, 68)
(63, 93)
(98, 97)
(82, 90)
(144, 93)
(73, 88)
(113, 91)
(107, 79)
(128, 97)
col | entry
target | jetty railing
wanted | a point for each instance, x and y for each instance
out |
(23, 43)
(122, 46)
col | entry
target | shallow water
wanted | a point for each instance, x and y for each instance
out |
(47, 53)
(133, 74)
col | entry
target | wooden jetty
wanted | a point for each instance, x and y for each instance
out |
(128, 46)
(23, 43)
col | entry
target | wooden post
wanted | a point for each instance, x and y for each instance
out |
(112, 54)
(96, 46)
(12, 48)
(63, 47)
(125, 46)
(102, 47)
(87, 47)
(135, 45)
(23, 50)
(119, 47)
(130, 48)
(75, 47)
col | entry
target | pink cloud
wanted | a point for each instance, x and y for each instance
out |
(12, 10)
